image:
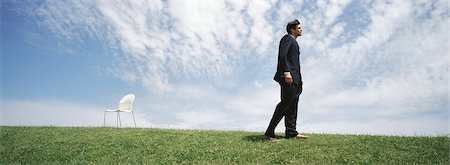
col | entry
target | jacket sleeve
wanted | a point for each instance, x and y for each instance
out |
(285, 44)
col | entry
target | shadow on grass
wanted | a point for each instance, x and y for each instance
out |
(257, 138)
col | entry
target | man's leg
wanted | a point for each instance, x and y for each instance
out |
(288, 93)
(291, 115)
(290, 120)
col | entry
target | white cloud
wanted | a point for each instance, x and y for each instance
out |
(261, 31)
(62, 113)
(138, 40)
(331, 10)
(156, 43)
(255, 101)
(389, 71)
(202, 120)
(317, 23)
(421, 126)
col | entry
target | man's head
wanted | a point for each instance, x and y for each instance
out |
(294, 28)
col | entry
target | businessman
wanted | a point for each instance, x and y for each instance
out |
(290, 79)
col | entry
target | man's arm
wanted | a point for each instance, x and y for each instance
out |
(285, 44)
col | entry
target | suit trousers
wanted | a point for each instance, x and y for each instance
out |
(287, 108)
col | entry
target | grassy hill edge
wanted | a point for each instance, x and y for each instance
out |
(97, 145)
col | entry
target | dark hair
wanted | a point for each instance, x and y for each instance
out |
(292, 25)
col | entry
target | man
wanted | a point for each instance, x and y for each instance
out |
(290, 79)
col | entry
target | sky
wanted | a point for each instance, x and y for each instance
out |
(368, 67)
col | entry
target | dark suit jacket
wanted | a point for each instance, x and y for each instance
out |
(288, 60)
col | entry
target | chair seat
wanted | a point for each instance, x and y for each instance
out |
(111, 110)
(117, 110)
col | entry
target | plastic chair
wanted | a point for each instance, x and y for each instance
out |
(125, 105)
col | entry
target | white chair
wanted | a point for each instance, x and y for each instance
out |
(125, 105)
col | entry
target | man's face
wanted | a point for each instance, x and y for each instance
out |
(297, 31)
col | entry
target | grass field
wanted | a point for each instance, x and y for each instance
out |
(63, 145)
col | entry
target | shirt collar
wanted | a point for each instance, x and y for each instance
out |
(292, 36)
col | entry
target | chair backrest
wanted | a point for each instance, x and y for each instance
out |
(126, 103)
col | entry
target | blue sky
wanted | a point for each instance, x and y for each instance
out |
(369, 67)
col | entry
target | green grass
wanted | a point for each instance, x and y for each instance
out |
(61, 145)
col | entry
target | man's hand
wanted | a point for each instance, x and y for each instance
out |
(288, 79)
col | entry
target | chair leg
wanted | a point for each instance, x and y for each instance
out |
(120, 120)
(104, 120)
(117, 120)
(134, 119)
